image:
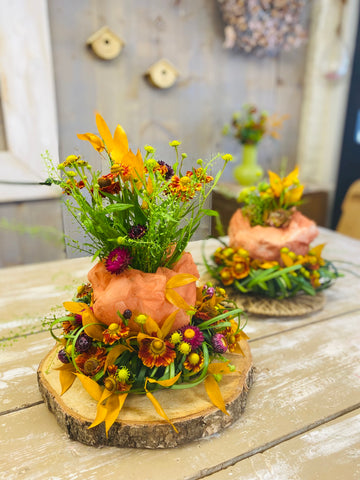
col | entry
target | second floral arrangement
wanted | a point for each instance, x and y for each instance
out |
(269, 251)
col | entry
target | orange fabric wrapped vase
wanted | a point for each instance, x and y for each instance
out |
(142, 293)
(264, 243)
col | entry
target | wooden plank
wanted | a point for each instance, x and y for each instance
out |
(19, 364)
(37, 290)
(300, 373)
(329, 451)
(32, 233)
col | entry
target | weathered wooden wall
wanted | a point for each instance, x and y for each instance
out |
(213, 82)
(34, 235)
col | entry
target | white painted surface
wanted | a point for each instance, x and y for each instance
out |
(28, 98)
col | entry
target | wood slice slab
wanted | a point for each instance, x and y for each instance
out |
(138, 424)
(287, 307)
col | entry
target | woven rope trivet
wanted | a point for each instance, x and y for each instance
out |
(287, 307)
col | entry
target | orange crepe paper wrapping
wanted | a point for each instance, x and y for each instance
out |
(264, 243)
(142, 293)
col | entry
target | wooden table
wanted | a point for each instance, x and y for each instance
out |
(302, 419)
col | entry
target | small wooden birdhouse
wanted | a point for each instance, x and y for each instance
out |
(105, 43)
(162, 74)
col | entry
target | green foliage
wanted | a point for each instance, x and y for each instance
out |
(168, 205)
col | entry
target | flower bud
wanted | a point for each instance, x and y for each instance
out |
(149, 149)
(184, 348)
(141, 319)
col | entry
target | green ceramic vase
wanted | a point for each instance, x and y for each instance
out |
(248, 172)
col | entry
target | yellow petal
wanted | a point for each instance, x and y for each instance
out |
(165, 383)
(94, 331)
(243, 335)
(152, 327)
(293, 195)
(275, 183)
(135, 164)
(238, 349)
(267, 264)
(120, 145)
(288, 261)
(141, 336)
(167, 325)
(114, 353)
(90, 386)
(159, 409)
(317, 250)
(139, 164)
(291, 178)
(219, 367)
(175, 299)
(104, 131)
(112, 411)
(75, 307)
(149, 185)
(100, 415)
(66, 376)
(213, 391)
(105, 395)
(113, 406)
(180, 279)
(95, 141)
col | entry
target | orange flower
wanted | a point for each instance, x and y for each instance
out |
(240, 268)
(227, 276)
(114, 332)
(218, 256)
(155, 352)
(92, 361)
(184, 188)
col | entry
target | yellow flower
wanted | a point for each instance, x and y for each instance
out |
(117, 146)
(278, 185)
(293, 195)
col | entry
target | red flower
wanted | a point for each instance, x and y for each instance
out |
(192, 335)
(219, 343)
(118, 260)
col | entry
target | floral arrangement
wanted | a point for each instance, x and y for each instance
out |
(293, 274)
(272, 203)
(286, 273)
(250, 125)
(141, 323)
(263, 27)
